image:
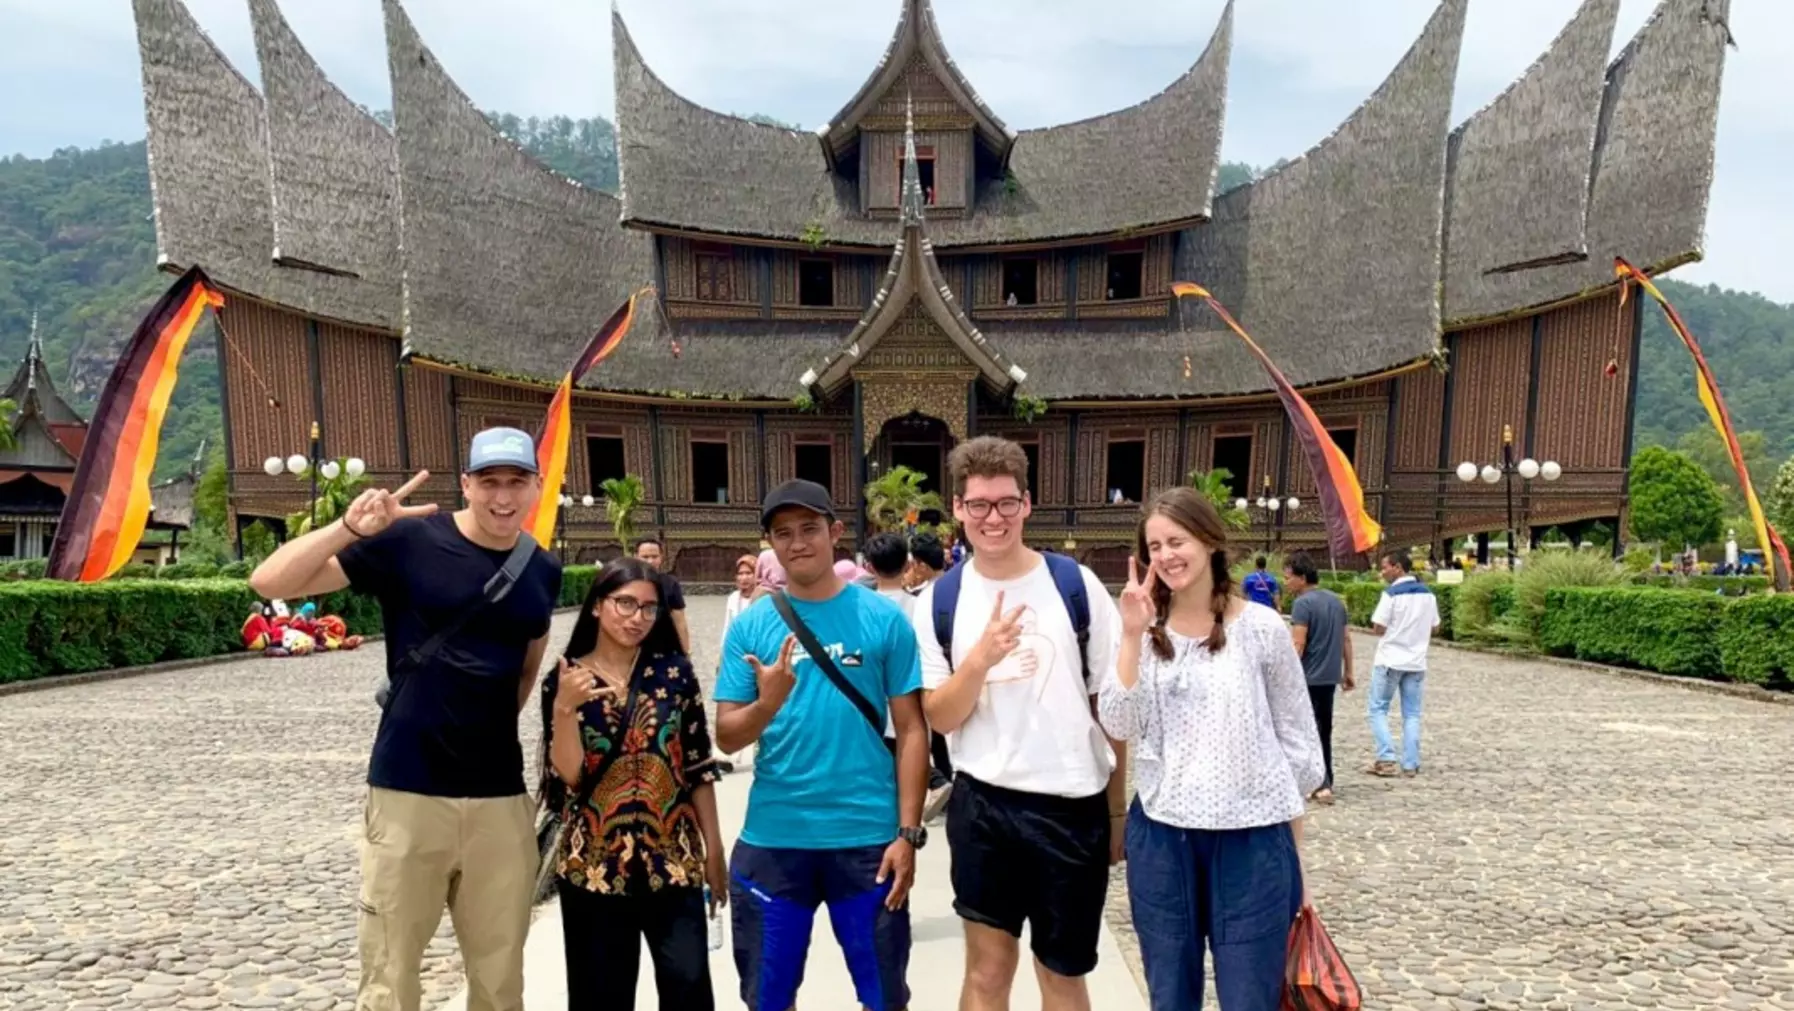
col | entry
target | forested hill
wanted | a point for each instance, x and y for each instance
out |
(77, 245)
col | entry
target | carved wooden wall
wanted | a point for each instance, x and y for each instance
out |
(914, 367)
(1050, 433)
(1096, 429)
(265, 355)
(711, 280)
(785, 432)
(989, 300)
(430, 420)
(361, 394)
(881, 169)
(855, 279)
(1155, 280)
(1585, 372)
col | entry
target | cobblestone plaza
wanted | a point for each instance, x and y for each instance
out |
(1575, 841)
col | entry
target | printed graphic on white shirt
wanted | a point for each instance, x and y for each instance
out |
(1032, 728)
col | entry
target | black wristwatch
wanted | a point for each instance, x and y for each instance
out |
(917, 837)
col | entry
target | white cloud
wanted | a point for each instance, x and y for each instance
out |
(1300, 66)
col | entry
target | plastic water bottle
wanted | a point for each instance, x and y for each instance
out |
(716, 922)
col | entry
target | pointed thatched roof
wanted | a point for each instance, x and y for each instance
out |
(914, 276)
(917, 38)
(210, 174)
(31, 389)
(1332, 261)
(686, 167)
(1651, 172)
(508, 266)
(1517, 181)
(334, 174)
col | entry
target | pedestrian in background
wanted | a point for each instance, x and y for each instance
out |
(1406, 617)
(1318, 626)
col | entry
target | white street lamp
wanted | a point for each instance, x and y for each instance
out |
(1272, 504)
(329, 470)
(1466, 472)
(587, 501)
(273, 465)
(1491, 473)
(356, 467)
(1529, 468)
(297, 464)
(1240, 504)
(1294, 503)
(1550, 470)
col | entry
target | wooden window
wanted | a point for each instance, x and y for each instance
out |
(1032, 451)
(1021, 281)
(1233, 453)
(1347, 441)
(815, 461)
(604, 459)
(715, 277)
(709, 471)
(1126, 275)
(924, 169)
(1126, 476)
(816, 282)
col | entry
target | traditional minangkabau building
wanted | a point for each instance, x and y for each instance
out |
(830, 304)
(37, 471)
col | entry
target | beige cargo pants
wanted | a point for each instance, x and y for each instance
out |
(419, 854)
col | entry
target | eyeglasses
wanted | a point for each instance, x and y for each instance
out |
(628, 606)
(979, 508)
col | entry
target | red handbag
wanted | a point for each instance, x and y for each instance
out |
(1315, 976)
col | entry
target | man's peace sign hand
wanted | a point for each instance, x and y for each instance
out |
(775, 682)
(1000, 636)
(375, 509)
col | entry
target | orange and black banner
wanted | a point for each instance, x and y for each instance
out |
(1350, 530)
(109, 502)
(1775, 553)
(557, 427)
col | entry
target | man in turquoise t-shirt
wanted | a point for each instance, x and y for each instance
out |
(831, 818)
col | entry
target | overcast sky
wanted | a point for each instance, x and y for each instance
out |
(69, 70)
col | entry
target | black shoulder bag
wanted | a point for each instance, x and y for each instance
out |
(551, 825)
(820, 657)
(495, 590)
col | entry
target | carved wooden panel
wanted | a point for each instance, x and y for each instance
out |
(1050, 288)
(884, 397)
(710, 272)
(854, 278)
(1419, 413)
(361, 394)
(1493, 370)
(1155, 270)
(1050, 433)
(919, 92)
(429, 420)
(915, 341)
(881, 166)
(1585, 367)
(265, 353)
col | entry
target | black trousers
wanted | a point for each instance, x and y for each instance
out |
(1322, 698)
(603, 936)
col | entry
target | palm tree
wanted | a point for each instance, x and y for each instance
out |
(1215, 485)
(622, 497)
(895, 498)
(7, 409)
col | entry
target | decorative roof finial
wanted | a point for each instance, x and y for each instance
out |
(33, 352)
(912, 175)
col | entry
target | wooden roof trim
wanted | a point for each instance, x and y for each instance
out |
(916, 32)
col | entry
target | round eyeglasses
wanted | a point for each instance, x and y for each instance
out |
(979, 508)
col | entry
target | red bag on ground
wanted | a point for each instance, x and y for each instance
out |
(1315, 977)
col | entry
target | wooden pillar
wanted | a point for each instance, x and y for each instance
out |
(398, 387)
(1071, 473)
(760, 434)
(1442, 479)
(1619, 523)
(315, 363)
(859, 461)
(660, 488)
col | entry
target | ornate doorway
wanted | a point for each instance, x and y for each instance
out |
(918, 442)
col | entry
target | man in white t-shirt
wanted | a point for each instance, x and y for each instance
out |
(1406, 617)
(1036, 815)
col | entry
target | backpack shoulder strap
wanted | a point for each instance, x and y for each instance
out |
(946, 601)
(1068, 579)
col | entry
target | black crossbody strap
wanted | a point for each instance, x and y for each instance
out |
(495, 590)
(820, 657)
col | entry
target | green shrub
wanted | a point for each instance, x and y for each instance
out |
(30, 568)
(236, 570)
(188, 570)
(576, 582)
(1731, 586)
(1482, 599)
(1659, 630)
(1756, 639)
(1538, 576)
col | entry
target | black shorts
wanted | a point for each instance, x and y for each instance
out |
(1035, 859)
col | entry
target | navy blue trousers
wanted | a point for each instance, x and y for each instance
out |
(1233, 892)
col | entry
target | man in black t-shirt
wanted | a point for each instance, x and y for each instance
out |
(448, 819)
(650, 550)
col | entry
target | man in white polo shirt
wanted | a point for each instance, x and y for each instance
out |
(1406, 617)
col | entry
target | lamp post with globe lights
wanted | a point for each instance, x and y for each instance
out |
(1269, 505)
(1527, 469)
(314, 464)
(568, 501)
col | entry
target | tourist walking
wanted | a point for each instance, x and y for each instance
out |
(743, 594)
(1014, 644)
(1211, 691)
(1406, 617)
(466, 599)
(1318, 625)
(652, 551)
(810, 673)
(630, 766)
(1261, 587)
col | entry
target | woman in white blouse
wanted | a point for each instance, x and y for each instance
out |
(1210, 691)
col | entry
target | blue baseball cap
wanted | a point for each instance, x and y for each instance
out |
(501, 447)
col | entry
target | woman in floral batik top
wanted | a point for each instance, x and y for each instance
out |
(625, 714)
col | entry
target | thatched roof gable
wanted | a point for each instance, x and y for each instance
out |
(335, 175)
(917, 37)
(209, 172)
(508, 266)
(1652, 166)
(31, 389)
(1518, 177)
(687, 167)
(1332, 261)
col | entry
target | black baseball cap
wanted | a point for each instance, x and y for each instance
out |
(800, 493)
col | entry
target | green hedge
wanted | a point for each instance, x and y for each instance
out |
(1731, 586)
(1756, 640)
(1666, 631)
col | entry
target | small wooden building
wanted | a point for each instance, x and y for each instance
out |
(834, 303)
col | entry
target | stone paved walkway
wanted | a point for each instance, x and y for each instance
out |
(1576, 841)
